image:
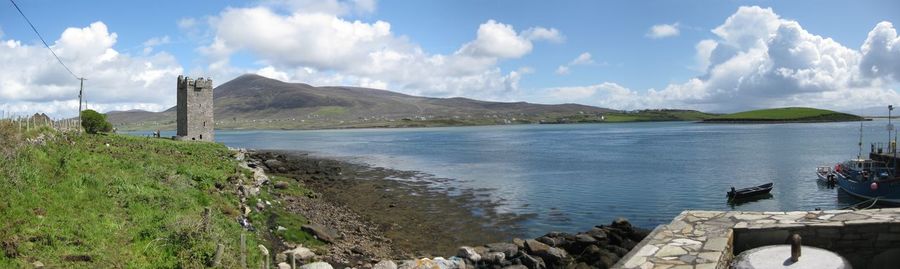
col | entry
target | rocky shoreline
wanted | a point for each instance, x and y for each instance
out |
(369, 219)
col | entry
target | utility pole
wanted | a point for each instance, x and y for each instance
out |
(80, 94)
(890, 127)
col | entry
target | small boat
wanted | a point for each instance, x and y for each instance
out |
(826, 175)
(749, 192)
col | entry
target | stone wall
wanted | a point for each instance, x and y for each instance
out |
(710, 239)
(195, 109)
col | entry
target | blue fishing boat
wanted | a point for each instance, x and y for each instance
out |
(874, 177)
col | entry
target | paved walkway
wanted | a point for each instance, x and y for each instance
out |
(704, 239)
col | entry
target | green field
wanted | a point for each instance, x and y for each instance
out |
(787, 114)
(110, 201)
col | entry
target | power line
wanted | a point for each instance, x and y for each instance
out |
(42, 40)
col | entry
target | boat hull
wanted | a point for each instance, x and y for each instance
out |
(886, 192)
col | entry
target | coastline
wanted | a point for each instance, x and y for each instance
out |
(416, 219)
(380, 216)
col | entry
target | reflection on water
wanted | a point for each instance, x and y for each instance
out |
(575, 176)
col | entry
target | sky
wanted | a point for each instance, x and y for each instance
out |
(717, 56)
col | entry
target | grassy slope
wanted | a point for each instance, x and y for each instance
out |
(137, 202)
(659, 115)
(787, 114)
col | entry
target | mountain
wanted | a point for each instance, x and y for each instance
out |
(252, 101)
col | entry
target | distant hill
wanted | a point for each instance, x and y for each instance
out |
(256, 102)
(787, 114)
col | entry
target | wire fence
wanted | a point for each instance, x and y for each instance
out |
(36, 121)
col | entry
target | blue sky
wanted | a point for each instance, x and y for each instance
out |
(810, 52)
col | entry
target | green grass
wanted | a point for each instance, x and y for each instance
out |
(658, 115)
(788, 114)
(119, 201)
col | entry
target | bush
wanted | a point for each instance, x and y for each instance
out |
(94, 122)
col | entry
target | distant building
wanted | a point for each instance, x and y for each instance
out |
(195, 109)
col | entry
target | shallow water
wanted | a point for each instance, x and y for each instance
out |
(572, 177)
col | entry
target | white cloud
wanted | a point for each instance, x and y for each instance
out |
(325, 49)
(544, 34)
(663, 31)
(582, 59)
(881, 52)
(761, 60)
(31, 80)
(156, 41)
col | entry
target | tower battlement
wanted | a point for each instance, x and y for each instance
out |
(195, 109)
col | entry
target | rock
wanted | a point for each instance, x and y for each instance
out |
(284, 265)
(317, 265)
(622, 224)
(468, 253)
(582, 265)
(598, 234)
(387, 264)
(532, 262)
(280, 257)
(38, 264)
(273, 164)
(556, 255)
(515, 266)
(551, 241)
(508, 249)
(619, 251)
(585, 239)
(436, 263)
(494, 257)
(281, 185)
(534, 247)
(321, 232)
(300, 253)
(519, 243)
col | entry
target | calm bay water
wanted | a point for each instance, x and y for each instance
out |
(575, 176)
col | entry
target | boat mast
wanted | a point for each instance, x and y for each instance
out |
(859, 154)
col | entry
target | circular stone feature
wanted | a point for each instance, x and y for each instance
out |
(779, 256)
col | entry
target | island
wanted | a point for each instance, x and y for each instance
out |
(785, 115)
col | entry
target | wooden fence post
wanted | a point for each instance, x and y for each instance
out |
(243, 251)
(265, 254)
(217, 258)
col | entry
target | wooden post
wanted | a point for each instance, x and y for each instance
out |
(265, 254)
(243, 251)
(218, 257)
(293, 260)
(206, 216)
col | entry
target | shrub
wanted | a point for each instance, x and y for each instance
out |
(94, 122)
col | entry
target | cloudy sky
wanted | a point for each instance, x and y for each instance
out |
(718, 56)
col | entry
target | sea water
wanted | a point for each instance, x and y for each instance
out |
(571, 177)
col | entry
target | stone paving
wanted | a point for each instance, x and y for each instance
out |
(704, 239)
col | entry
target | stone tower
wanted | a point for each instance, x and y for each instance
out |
(195, 109)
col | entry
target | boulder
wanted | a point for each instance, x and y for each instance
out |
(387, 264)
(515, 266)
(494, 257)
(551, 241)
(300, 253)
(598, 234)
(468, 253)
(284, 265)
(317, 265)
(519, 243)
(436, 263)
(273, 164)
(534, 247)
(532, 262)
(585, 239)
(321, 232)
(508, 249)
(281, 257)
(282, 185)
